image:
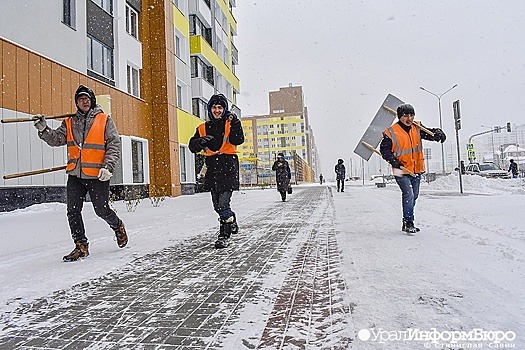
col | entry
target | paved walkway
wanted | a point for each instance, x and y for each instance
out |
(278, 286)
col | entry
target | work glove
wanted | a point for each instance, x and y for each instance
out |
(439, 135)
(205, 140)
(230, 116)
(395, 163)
(104, 174)
(40, 123)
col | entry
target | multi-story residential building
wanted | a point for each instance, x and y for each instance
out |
(152, 65)
(285, 129)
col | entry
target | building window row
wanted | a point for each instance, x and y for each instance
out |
(198, 28)
(132, 22)
(69, 13)
(199, 69)
(133, 80)
(100, 58)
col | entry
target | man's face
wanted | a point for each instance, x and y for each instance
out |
(84, 103)
(216, 111)
(407, 119)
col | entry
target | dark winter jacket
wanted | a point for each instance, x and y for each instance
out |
(282, 174)
(340, 171)
(222, 172)
(513, 168)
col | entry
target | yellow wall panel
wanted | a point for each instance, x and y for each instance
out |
(35, 84)
(22, 80)
(45, 87)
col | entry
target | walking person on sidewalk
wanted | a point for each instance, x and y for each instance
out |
(402, 146)
(218, 138)
(340, 173)
(282, 175)
(513, 168)
(93, 148)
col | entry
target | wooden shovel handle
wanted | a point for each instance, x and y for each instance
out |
(34, 172)
(33, 118)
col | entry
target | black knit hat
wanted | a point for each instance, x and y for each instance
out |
(403, 109)
(84, 90)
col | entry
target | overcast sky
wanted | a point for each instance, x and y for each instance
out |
(349, 55)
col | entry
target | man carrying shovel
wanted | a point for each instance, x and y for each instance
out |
(93, 148)
(402, 148)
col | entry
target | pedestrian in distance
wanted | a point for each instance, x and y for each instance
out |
(513, 168)
(340, 173)
(321, 179)
(282, 175)
(402, 146)
(218, 138)
(93, 148)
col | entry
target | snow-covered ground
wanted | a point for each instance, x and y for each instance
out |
(464, 272)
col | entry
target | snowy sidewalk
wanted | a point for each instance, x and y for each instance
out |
(277, 286)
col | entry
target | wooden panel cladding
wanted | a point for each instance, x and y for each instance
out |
(34, 84)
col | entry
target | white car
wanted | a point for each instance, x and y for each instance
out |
(489, 170)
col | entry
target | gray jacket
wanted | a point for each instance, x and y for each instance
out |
(81, 126)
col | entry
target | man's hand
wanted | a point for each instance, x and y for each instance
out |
(395, 163)
(104, 174)
(439, 135)
(203, 141)
(40, 124)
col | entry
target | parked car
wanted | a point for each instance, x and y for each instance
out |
(489, 170)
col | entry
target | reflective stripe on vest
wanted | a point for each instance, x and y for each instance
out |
(92, 152)
(226, 147)
(407, 147)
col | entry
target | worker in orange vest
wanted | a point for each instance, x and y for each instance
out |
(218, 138)
(93, 148)
(402, 147)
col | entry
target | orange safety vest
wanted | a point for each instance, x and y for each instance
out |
(226, 147)
(407, 147)
(92, 152)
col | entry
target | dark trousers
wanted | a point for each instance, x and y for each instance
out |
(340, 185)
(221, 203)
(76, 195)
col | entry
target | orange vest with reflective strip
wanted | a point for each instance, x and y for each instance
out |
(226, 148)
(407, 147)
(91, 153)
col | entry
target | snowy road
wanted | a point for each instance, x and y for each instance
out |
(290, 279)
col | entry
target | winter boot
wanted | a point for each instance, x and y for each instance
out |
(234, 226)
(283, 196)
(224, 232)
(409, 228)
(122, 236)
(81, 251)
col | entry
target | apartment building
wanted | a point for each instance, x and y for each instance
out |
(152, 65)
(285, 129)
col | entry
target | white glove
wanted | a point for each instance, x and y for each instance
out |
(40, 124)
(104, 174)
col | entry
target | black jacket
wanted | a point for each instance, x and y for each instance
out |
(223, 169)
(282, 174)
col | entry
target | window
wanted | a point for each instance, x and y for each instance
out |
(106, 5)
(100, 58)
(133, 81)
(177, 46)
(132, 18)
(137, 161)
(183, 171)
(179, 96)
(69, 13)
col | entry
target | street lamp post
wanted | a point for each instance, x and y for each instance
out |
(492, 135)
(440, 121)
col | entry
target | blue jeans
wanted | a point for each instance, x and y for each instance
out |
(409, 186)
(221, 203)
